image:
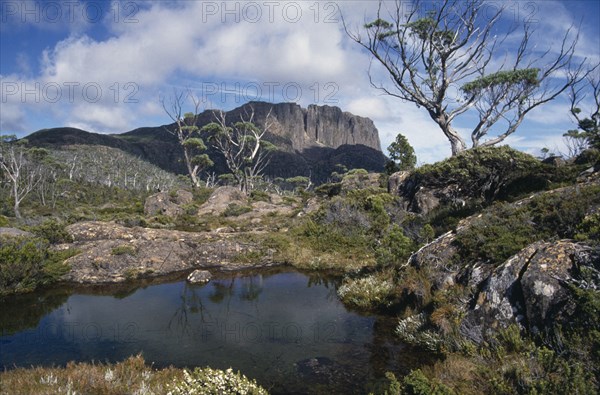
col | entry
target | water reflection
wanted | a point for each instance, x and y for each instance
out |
(286, 329)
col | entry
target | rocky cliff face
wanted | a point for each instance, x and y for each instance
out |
(315, 126)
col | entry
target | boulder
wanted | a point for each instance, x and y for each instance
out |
(396, 180)
(530, 289)
(220, 199)
(163, 203)
(199, 277)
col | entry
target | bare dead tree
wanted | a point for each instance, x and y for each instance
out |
(20, 167)
(187, 132)
(451, 49)
(243, 146)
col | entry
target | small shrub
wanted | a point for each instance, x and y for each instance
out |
(394, 249)
(26, 264)
(235, 210)
(329, 189)
(370, 292)
(124, 250)
(209, 381)
(259, 196)
(416, 383)
(53, 231)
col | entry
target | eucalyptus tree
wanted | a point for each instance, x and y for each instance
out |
(451, 56)
(243, 145)
(187, 132)
(21, 167)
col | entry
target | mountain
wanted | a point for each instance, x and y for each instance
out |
(311, 141)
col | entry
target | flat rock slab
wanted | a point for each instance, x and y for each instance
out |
(112, 253)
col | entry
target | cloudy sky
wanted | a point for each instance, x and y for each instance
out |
(103, 66)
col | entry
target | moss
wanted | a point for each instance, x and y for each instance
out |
(124, 250)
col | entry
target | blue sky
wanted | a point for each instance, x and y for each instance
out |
(103, 66)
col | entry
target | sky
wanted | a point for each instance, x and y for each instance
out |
(104, 66)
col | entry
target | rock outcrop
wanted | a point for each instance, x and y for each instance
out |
(530, 289)
(111, 253)
(163, 203)
(220, 199)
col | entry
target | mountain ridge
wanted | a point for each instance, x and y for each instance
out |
(311, 141)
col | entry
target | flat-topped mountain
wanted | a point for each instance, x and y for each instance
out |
(311, 141)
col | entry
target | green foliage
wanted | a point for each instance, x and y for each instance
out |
(209, 381)
(259, 196)
(53, 231)
(395, 248)
(496, 235)
(329, 189)
(426, 234)
(505, 229)
(589, 229)
(124, 250)
(428, 29)
(27, 263)
(235, 210)
(521, 78)
(416, 383)
(387, 386)
(402, 155)
(482, 173)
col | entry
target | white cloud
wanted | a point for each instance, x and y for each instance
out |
(166, 44)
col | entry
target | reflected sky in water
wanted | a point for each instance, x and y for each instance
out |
(285, 329)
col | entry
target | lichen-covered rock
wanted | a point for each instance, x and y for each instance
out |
(163, 203)
(220, 199)
(199, 277)
(396, 180)
(530, 288)
(111, 253)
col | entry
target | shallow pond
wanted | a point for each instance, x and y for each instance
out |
(286, 329)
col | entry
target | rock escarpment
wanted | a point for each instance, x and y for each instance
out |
(315, 126)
